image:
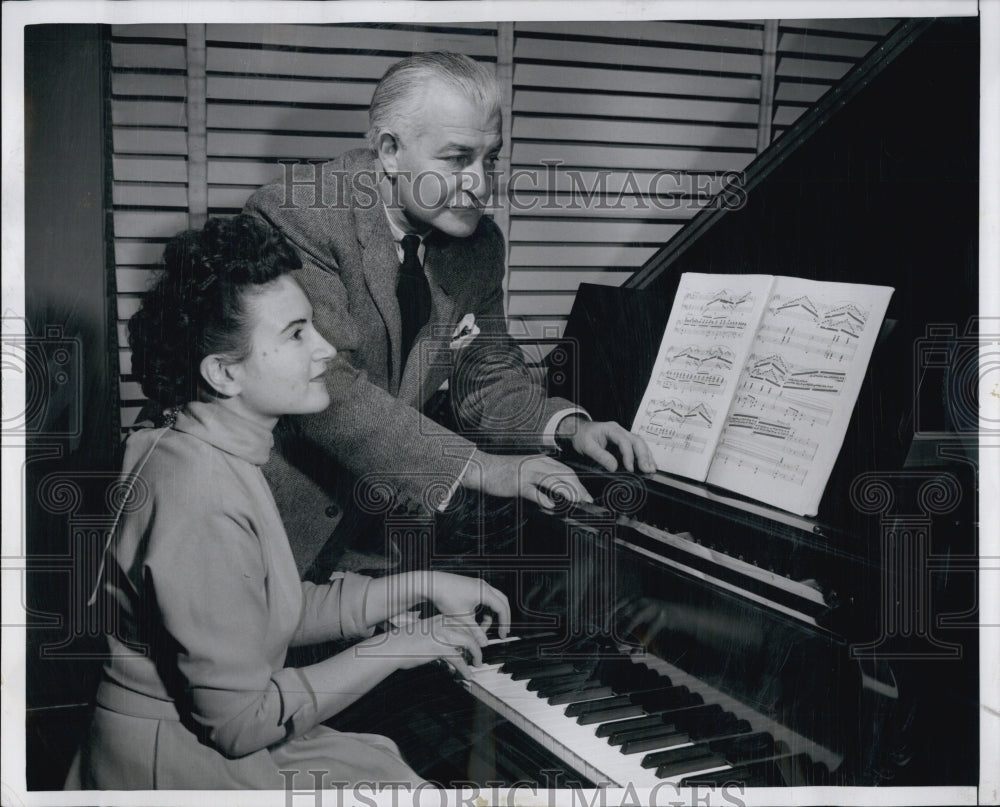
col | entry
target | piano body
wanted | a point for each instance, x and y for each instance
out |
(674, 633)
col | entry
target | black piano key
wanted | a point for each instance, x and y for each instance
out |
(558, 683)
(791, 770)
(733, 750)
(522, 670)
(655, 730)
(615, 713)
(518, 649)
(660, 700)
(591, 689)
(610, 729)
(581, 707)
(699, 720)
(689, 758)
(626, 676)
(668, 738)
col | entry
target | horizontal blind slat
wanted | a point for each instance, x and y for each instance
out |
(160, 30)
(286, 118)
(584, 182)
(635, 81)
(149, 113)
(131, 224)
(681, 33)
(131, 168)
(540, 305)
(150, 141)
(133, 280)
(631, 55)
(579, 256)
(628, 106)
(564, 281)
(624, 157)
(278, 146)
(623, 132)
(147, 56)
(587, 231)
(138, 253)
(330, 66)
(400, 41)
(145, 84)
(795, 42)
(290, 90)
(790, 67)
(874, 26)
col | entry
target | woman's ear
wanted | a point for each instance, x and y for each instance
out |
(222, 374)
(388, 152)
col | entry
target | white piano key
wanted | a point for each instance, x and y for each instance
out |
(578, 746)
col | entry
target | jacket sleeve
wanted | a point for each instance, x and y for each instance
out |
(496, 395)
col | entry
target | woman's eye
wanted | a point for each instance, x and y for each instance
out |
(297, 334)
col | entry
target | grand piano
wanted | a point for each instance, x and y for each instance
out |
(675, 633)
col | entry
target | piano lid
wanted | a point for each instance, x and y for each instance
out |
(878, 184)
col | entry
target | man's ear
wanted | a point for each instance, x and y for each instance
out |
(222, 374)
(387, 147)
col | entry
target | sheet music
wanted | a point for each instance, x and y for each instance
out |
(797, 390)
(755, 382)
(706, 341)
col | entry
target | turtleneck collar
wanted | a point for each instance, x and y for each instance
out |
(227, 431)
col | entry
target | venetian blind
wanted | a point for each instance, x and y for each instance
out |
(618, 133)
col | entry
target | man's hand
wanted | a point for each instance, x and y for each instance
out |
(593, 439)
(534, 477)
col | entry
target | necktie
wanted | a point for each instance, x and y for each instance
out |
(413, 294)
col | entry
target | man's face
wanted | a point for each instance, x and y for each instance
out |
(442, 164)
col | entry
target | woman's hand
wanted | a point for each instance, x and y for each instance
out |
(413, 642)
(458, 597)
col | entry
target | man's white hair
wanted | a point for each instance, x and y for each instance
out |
(400, 94)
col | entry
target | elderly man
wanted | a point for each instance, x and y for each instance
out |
(405, 275)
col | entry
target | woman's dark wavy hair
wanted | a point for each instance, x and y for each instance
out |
(197, 306)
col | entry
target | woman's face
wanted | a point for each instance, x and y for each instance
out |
(284, 373)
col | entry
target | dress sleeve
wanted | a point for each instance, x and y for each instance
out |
(334, 610)
(205, 572)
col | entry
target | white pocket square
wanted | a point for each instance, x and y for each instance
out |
(464, 333)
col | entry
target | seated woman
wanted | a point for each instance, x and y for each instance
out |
(207, 600)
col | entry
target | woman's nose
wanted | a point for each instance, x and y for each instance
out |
(324, 350)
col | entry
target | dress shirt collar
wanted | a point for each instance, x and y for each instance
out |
(397, 237)
(227, 431)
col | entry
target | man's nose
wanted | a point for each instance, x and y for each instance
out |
(477, 180)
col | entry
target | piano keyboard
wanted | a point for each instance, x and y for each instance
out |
(622, 721)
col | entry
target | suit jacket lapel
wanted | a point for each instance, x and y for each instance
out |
(380, 264)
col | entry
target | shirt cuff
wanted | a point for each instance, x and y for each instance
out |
(446, 500)
(549, 433)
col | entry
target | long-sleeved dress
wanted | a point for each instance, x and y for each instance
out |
(195, 694)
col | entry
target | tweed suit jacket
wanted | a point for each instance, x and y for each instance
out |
(373, 429)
